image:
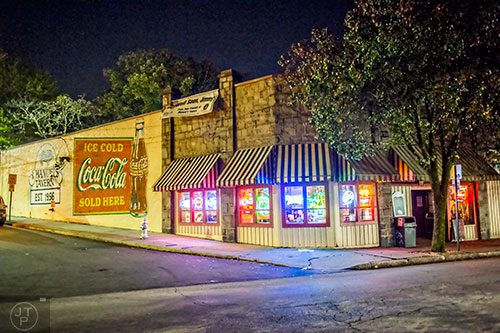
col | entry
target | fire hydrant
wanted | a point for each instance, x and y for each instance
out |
(144, 229)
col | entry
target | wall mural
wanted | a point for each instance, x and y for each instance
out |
(102, 176)
(45, 180)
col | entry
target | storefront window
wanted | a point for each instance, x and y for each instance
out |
(465, 204)
(255, 206)
(211, 206)
(305, 205)
(316, 204)
(294, 204)
(357, 202)
(199, 206)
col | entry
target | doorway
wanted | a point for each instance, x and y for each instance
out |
(422, 202)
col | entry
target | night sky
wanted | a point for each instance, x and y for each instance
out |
(75, 40)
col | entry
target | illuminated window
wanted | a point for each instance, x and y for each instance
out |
(465, 203)
(254, 206)
(305, 205)
(198, 206)
(357, 202)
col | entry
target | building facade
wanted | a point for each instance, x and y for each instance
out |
(238, 164)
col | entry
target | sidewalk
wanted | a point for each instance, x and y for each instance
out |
(322, 260)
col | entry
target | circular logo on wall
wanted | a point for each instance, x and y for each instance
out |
(24, 316)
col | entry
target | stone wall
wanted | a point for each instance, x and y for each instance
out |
(384, 196)
(255, 119)
(211, 133)
(264, 116)
(484, 218)
(292, 123)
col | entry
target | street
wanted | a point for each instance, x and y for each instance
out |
(96, 287)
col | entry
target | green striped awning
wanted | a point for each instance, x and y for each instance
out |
(308, 162)
(188, 173)
(248, 166)
(474, 167)
(407, 164)
(371, 168)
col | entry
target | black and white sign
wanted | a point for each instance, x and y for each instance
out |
(194, 105)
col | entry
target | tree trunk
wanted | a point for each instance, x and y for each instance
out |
(439, 230)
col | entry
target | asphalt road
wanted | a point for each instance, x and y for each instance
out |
(446, 297)
(37, 264)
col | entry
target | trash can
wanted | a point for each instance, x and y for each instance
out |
(405, 231)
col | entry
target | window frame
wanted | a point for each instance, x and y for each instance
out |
(239, 210)
(306, 224)
(357, 208)
(192, 210)
(471, 191)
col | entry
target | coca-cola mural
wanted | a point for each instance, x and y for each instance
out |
(139, 173)
(102, 176)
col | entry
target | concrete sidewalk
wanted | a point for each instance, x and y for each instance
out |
(322, 260)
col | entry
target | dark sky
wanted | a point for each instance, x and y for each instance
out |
(75, 40)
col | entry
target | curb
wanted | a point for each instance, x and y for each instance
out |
(425, 260)
(96, 237)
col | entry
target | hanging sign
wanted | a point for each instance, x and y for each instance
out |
(194, 105)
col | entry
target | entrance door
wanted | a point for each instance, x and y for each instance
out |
(423, 210)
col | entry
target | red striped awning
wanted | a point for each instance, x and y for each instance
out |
(189, 173)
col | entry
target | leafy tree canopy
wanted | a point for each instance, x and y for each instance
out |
(51, 118)
(139, 78)
(423, 73)
(20, 81)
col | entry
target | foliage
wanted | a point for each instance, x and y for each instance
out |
(422, 73)
(19, 81)
(51, 118)
(139, 78)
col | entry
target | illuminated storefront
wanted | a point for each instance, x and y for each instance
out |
(477, 177)
(195, 197)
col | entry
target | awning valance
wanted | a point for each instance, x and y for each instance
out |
(371, 168)
(474, 167)
(248, 166)
(188, 173)
(309, 162)
(406, 162)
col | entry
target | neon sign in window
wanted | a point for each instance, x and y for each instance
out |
(465, 203)
(294, 204)
(357, 202)
(198, 206)
(255, 205)
(305, 205)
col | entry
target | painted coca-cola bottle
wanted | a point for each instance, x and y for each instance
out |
(139, 173)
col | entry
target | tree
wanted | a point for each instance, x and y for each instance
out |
(139, 78)
(20, 81)
(51, 118)
(426, 72)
